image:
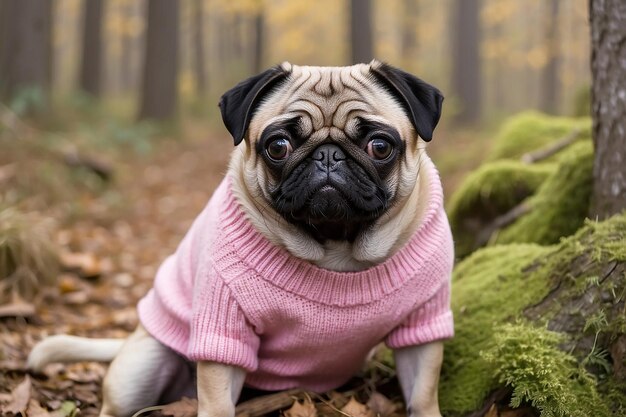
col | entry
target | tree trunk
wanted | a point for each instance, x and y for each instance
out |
(259, 28)
(499, 95)
(361, 31)
(608, 67)
(408, 46)
(25, 50)
(466, 69)
(236, 37)
(223, 45)
(126, 53)
(549, 76)
(199, 63)
(159, 93)
(90, 70)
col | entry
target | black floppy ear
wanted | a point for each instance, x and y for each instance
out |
(238, 104)
(421, 100)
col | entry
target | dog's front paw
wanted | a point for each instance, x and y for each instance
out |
(215, 412)
(421, 411)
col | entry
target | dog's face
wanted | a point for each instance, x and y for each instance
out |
(331, 149)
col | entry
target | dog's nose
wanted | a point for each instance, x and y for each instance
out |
(327, 156)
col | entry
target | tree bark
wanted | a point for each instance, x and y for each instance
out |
(25, 47)
(159, 93)
(571, 313)
(408, 45)
(91, 65)
(549, 76)
(259, 31)
(361, 31)
(223, 45)
(236, 36)
(466, 68)
(199, 62)
(126, 53)
(608, 68)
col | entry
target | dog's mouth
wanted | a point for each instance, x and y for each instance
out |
(330, 213)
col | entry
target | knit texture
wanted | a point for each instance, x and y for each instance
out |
(229, 295)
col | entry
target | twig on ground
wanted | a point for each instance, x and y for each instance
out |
(501, 221)
(268, 403)
(548, 151)
(97, 166)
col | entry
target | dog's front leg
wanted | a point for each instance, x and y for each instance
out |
(418, 369)
(219, 387)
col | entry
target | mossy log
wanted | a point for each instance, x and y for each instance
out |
(532, 130)
(487, 193)
(512, 201)
(541, 326)
(561, 203)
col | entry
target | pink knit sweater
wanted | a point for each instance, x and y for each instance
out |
(228, 295)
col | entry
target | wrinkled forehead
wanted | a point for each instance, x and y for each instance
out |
(330, 98)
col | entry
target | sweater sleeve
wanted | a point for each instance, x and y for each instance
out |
(220, 331)
(429, 322)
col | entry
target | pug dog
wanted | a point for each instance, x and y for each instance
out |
(326, 237)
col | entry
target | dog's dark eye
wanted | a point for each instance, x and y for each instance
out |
(278, 149)
(379, 149)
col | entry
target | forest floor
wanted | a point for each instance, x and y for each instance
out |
(111, 247)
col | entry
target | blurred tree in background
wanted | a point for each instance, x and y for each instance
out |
(91, 59)
(198, 45)
(160, 71)
(361, 31)
(491, 58)
(25, 53)
(466, 64)
(549, 76)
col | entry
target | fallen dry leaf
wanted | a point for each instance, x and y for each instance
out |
(19, 309)
(356, 409)
(68, 283)
(36, 410)
(85, 264)
(380, 405)
(85, 372)
(338, 399)
(20, 398)
(86, 394)
(12, 365)
(186, 407)
(306, 408)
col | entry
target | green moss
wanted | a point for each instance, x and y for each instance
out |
(613, 393)
(611, 248)
(561, 203)
(488, 192)
(496, 285)
(528, 359)
(581, 105)
(531, 130)
(486, 291)
(562, 185)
